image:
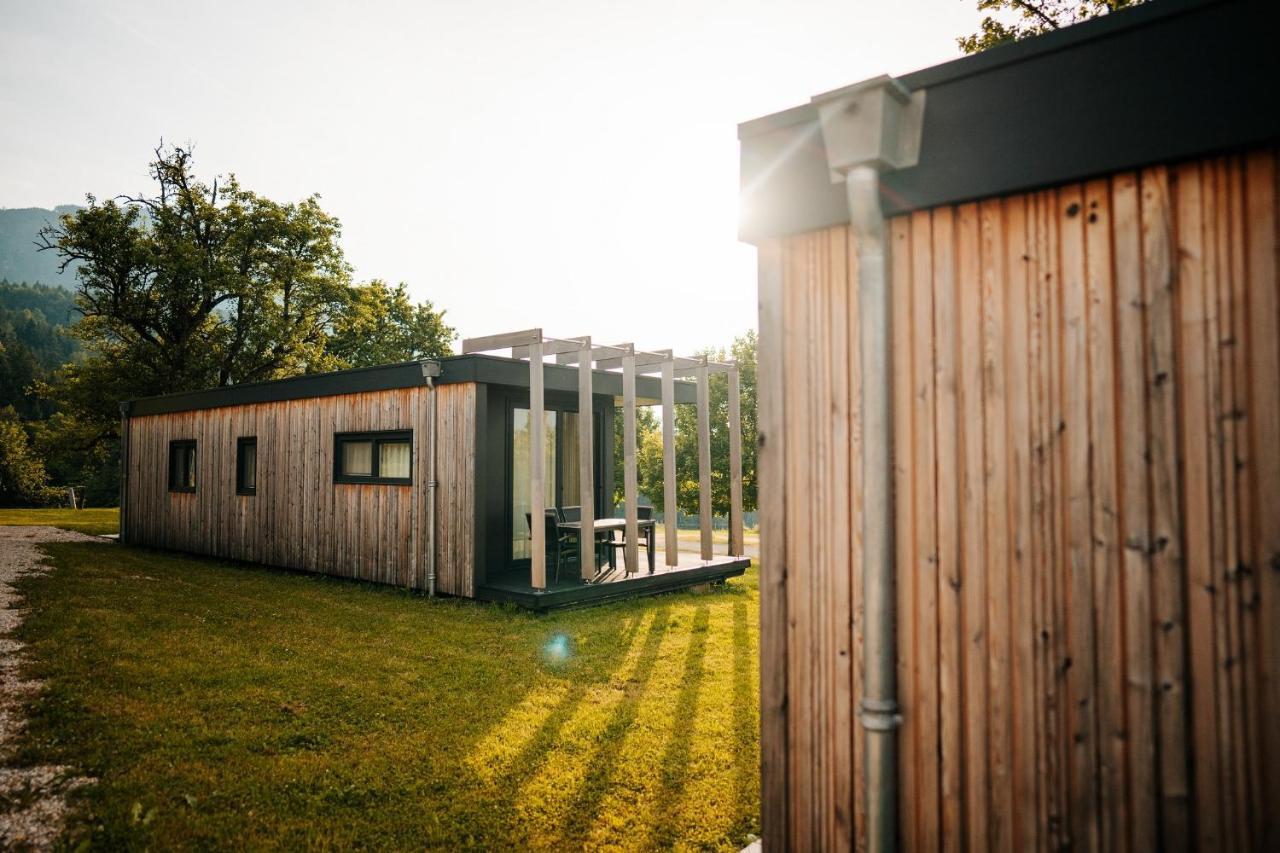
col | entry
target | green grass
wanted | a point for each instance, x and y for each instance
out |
(98, 522)
(224, 705)
(719, 537)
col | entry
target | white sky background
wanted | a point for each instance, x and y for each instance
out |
(571, 165)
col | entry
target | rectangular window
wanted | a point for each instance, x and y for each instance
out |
(182, 466)
(247, 465)
(373, 457)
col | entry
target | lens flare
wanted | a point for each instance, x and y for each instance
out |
(556, 650)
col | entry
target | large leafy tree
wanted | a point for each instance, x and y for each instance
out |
(22, 473)
(203, 284)
(1007, 21)
(743, 352)
(380, 324)
(649, 440)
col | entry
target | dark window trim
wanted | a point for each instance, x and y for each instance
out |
(376, 438)
(241, 443)
(175, 445)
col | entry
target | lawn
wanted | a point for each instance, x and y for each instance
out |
(226, 705)
(97, 522)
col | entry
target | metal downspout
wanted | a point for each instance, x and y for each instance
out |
(122, 535)
(879, 710)
(868, 128)
(431, 487)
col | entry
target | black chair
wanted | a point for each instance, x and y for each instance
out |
(603, 552)
(561, 545)
(645, 539)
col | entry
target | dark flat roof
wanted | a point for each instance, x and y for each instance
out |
(1160, 82)
(488, 369)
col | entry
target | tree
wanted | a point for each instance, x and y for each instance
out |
(648, 430)
(31, 345)
(649, 440)
(379, 324)
(204, 284)
(743, 352)
(1014, 20)
(22, 475)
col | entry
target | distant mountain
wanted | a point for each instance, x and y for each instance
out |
(19, 260)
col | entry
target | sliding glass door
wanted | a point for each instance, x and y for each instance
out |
(561, 484)
(521, 458)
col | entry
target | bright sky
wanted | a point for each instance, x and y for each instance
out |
(571, 165)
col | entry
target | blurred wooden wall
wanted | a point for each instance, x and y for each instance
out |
(1087, 476)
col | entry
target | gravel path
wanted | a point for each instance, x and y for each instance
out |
(33, 800)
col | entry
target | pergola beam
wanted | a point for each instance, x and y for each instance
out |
(692, 367)
(597, 353)
(551, 346)
(489, 343)
(643, 359)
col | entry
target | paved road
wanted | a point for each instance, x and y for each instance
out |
(691, 546)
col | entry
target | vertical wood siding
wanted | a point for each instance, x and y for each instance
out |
(1087, 497)
(455, 503)
(300, 518)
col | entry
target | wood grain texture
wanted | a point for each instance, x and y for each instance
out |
(299, 517)
(1087, 498)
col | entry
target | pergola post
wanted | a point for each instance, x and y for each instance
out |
(631, 553)
(704, 459)
(537, 450)
(669, 500)
(530, 344)
(736, 547)
(586, 466)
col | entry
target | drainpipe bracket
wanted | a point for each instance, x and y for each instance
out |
(880, 715)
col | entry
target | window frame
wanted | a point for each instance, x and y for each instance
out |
(376, 439)
(183, 444)
(241, 443)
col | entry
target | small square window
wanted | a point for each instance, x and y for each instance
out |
(373, 457)
(182, 466)
(247, 466)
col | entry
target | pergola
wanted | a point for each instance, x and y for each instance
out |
(533, 346)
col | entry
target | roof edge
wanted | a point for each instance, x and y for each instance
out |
(1011, 53)
(489, 369)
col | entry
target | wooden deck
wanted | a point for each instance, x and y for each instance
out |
(513, 586)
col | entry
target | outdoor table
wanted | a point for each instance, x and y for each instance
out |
(608, 525)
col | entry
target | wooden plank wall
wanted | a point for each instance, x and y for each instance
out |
(1087, 498)
(456, 492)
(299, 517)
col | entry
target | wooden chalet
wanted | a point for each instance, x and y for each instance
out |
(421, 474)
